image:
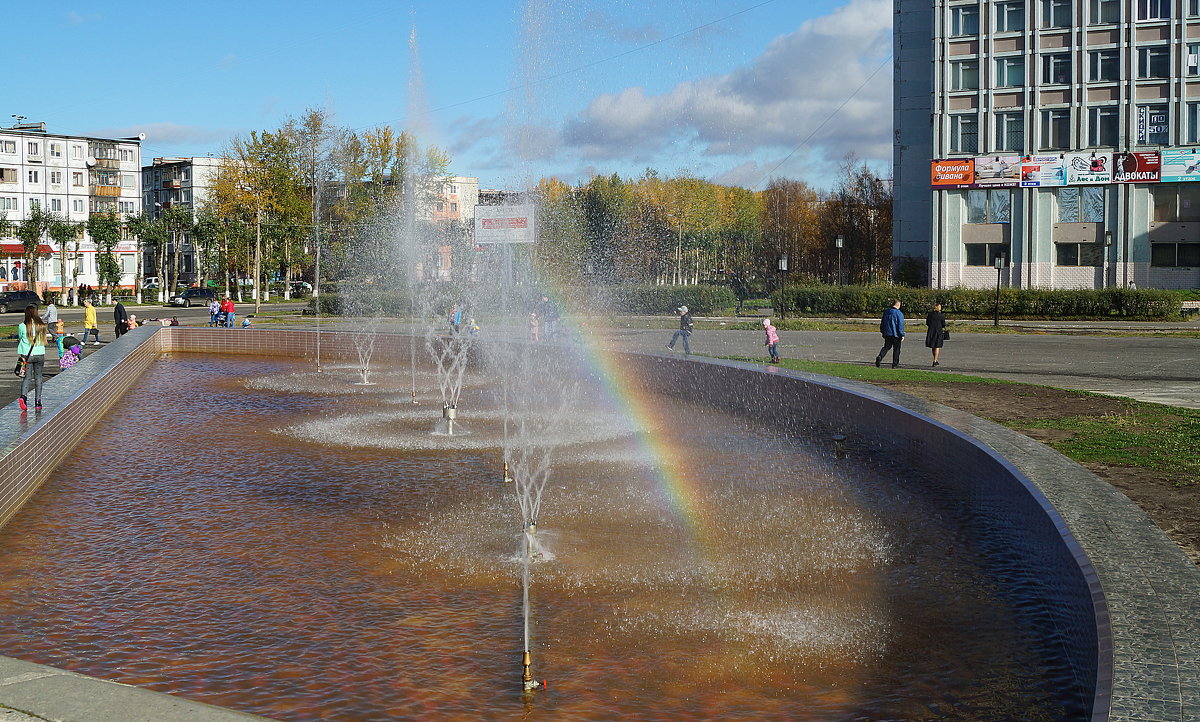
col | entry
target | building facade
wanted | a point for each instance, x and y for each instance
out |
(73, 177)
(170, 182)
(1060, 138)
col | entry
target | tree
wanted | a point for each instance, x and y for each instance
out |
(315, 138)
(105, 230)
(30, 232)
(63, 232)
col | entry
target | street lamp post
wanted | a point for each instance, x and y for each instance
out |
(781, 264)
(999, 265)
(838, 243)
(1108, 239)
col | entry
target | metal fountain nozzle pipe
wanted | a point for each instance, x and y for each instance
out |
(450, 412)
(839, 446)
(527, 680)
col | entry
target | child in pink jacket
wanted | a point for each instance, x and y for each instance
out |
(772, 340)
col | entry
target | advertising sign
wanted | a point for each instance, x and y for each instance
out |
(1089, 168)
(1043, 171)
(1151, 124)
(1180, 165)
(1142, 167)
(505, 224)
(956, 173)
(998, 171)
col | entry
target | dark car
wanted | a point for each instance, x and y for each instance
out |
(18, 300)
(194, 297)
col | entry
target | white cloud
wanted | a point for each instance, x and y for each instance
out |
(792, 90)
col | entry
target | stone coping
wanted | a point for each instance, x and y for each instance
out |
(1150, 588)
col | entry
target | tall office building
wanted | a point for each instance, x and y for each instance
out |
(1058, 138)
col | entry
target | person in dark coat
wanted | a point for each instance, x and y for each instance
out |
(121, 318)
(892, 328)
(685, 330)
(936, 333)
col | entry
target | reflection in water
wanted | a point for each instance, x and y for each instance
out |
(207, 541)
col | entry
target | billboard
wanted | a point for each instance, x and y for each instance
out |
(998, 171)
(1141, 167)
(1180, 165)
(1041, 171)
(505, 224)
(1089, 168)
(956, 173)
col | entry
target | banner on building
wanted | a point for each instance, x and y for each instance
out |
(505, 224)
(1152, 123)
(1140, 167)
(998, 171)
(1180, 165)
(1089, 168)
(956, 173)
(1041, 171)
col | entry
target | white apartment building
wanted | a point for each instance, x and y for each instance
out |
(74, 177)
(178, 181)
(1061, 137)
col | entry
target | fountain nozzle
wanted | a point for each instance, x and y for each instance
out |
(414, 396)
(449, 413)
(507, 479)
(528, 683)
(839, 448)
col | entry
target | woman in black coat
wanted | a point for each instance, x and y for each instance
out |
(936, 334)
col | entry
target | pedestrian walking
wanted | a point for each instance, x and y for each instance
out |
(31, 345)
(533, 327)
(892, 328)
(89, 322)
(772, 340)
(214, 308)
(936, 332)
(685, 330)
(228, 308)
(120, 319)
(52, 323)
(548, 314)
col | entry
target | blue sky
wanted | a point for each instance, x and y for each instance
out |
(724, 89)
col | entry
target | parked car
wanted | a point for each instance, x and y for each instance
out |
(150, 283)
(194, 297)
(18, 300)
(301, 288)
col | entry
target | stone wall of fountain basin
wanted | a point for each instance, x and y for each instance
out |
(1152, 589)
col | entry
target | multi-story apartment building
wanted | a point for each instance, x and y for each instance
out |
(73, 177)
(1060, 138)
(178, 181)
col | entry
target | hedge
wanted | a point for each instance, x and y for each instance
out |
(640, 299)
(980, 303)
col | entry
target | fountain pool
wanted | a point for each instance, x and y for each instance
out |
(704, 565)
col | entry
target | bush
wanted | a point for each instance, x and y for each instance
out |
(648, 299)
(980, 303)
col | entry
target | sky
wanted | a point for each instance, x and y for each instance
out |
(734, 91)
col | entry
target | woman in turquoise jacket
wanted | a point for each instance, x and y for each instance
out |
(31, 340)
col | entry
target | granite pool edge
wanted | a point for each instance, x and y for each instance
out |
(1151, 588)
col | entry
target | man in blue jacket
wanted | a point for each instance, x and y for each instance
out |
(892, 328)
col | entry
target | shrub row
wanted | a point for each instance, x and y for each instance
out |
(980, 303)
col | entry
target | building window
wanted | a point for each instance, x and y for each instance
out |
(77, 151)
(453, 190)
(8, 175)
(454, 208)
(1104, 65)
(1176, 202)
(993, 205)
(1056, 69)
(34, 148)
(1080, 204)
(1104, 12)
(55, 177)
(8, 204)
(77, 179)
(1078, 254)
(1175, 255)
(1192, 60)
(1153, 9)
(1153, 126)
(964, 133)
(8, 146)
(1056, 128)
(1193, 8)
(34, 203)
(77, 205)
(1056, 13)
(964, 20)
(441, 207)
(964, 75)
(1010, 71)
(1104, 123)
(56, 150)
(985, 254)
(56, 204)
(1193, 123)
(1154, 61)
(1010, 131)
(33, 176)
(1010, 16)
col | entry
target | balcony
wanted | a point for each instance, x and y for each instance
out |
(111, 191)
(172, 184)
